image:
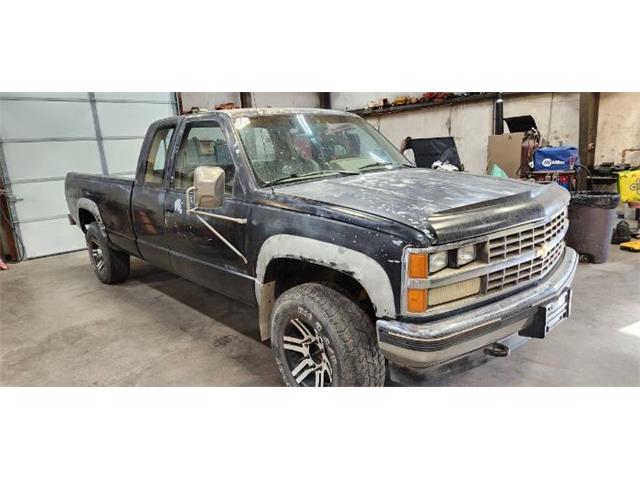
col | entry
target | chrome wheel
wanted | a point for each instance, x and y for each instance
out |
(306, 355)
(96, 255)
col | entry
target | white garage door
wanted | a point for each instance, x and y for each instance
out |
(45, 135)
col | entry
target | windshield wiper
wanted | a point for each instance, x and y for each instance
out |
(381, 164)
(375, 164)
(295, 176)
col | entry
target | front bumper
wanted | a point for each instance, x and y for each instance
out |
(424, 345)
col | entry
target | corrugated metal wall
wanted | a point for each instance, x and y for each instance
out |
(45, 135)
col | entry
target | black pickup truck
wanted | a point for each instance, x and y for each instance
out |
(351, 254)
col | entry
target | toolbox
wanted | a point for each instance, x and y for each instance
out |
(555, 159)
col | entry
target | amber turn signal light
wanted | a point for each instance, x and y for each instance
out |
(416, 300)
(418, 265)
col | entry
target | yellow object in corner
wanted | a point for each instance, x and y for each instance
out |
(632, 246)
(629, 186)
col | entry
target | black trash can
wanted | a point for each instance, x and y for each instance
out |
(592, 216)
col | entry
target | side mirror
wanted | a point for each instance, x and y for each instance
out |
(208, 183)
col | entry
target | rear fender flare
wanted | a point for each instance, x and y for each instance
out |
(92, 207)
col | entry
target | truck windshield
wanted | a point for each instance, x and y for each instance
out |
(284, 148)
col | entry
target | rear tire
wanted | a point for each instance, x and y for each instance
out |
(320, 337)
(110, 266)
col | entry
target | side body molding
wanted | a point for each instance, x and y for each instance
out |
(357, 265)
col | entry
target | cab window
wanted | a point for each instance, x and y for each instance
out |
(203, 144)
(156, 160)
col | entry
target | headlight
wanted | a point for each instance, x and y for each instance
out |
(438, 260)
(421, 290)
(455, 291)
(465, 255)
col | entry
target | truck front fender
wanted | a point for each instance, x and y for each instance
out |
(357, 265)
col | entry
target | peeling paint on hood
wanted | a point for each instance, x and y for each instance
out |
(435, 202)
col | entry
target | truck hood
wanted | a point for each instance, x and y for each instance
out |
(445, 206)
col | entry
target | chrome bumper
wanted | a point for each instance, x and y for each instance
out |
(427, 344)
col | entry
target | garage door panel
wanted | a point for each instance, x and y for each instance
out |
(122, 155)
(51, 236)
(36, 95)
(35, 160)
(129, 119)
(135, 96)
(48, 134)
(41, 199)
(40, 120)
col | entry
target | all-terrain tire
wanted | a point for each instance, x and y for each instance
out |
(115, 266)
(347, 336)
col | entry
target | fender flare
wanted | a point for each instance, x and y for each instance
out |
(357, 265)
(92, 207)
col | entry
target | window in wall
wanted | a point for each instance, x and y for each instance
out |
(154, 169)
(203, 144)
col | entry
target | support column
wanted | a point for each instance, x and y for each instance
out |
(588, 131)
(245, 100)
(325, 99)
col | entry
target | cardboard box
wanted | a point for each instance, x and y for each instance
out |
(505, 151)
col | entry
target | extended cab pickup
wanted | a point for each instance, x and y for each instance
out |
(350, 253)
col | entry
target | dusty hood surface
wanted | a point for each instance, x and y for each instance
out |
(446, 206)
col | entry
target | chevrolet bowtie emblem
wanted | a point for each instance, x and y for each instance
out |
(542, 250)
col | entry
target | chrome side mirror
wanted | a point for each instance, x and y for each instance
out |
(208, 184)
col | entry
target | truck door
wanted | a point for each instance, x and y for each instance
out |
(197, 253)
(149, 196)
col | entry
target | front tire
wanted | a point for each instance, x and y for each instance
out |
(110, 266)
(320, 337)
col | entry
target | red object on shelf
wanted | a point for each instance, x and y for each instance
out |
(436, 96)
(565, 179)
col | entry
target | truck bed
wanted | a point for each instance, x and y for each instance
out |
(113, 197)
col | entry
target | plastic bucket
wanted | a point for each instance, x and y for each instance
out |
(592, 216)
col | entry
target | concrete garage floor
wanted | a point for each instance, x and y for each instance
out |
(60, 326)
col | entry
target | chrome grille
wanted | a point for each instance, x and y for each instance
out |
(506, 259)
(525, 239)
(523, 272)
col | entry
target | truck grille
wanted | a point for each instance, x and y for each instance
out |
(527, 239)
(523, 272)
(508, 259)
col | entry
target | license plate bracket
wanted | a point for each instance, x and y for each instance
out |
(548, 315)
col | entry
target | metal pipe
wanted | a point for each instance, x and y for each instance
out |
(195, 210)
(222, 239)
(498, 128)
(241, 221)
(197, 213)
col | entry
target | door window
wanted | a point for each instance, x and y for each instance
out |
(154, 169)
(203, 144)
